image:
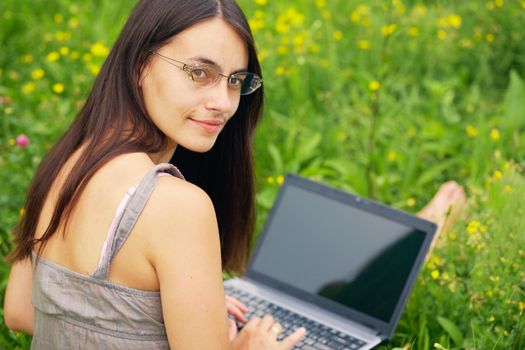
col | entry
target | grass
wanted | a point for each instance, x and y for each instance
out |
(386, 99)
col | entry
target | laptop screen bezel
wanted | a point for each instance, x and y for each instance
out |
(384, 329)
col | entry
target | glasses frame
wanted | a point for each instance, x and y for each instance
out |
(189, 69)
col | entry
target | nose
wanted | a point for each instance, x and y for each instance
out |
(221, 98)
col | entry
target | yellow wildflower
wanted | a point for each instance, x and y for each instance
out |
(374, 85)
(280, 179)
(490, 5)
(452, 235)
(388, 29)
(490, 37)
(521, 306)
(473, 227)
(454, 21)
(261, 2)
(280, 70)
(74, 55)
(442, 35)
(499, 3)
(58, 18)
(338, 35)
(64, 51)
(299, 39)
(466, 43)
(262, 55)
(320, 3)
(411, 202)
(53, 56)
(256, 24)
(434, 274)
(28, 87)
(73, 22)
(419, 9)
(497, 175)
(523, 4)
(11, 142)
(282, 27)
(270, 180)
(314, 48)
(58, 88)
(494, 135)
(62, 36)
(472, 131)
(413, 31)
(22, 212)
(26, 58)
(392, 156)
(282, 50)
(507, 188)
(99, 49)
(93, 68)
(363, 44)
(38, 74)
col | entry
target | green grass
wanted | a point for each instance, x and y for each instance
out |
(387, 99)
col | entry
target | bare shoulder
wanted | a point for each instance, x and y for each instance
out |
(179, 214)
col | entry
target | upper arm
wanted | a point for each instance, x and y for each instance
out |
(18, 310)
(185, 251)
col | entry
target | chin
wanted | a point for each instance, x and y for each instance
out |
(201, 147)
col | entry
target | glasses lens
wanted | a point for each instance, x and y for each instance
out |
(250, 83)
(203, 74)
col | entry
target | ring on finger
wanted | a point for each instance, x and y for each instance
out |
(276, 328)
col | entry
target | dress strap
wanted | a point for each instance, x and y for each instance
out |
(131, 212)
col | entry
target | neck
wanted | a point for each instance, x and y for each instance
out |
(163, 156)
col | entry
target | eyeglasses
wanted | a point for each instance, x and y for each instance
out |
(205, 74)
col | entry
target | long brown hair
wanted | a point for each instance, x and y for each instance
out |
(115, 102)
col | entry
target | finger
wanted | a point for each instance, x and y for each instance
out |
(293, 338)
(237, 303)
(238, 314)
(253, 323)
(267, 322)
(232, 329)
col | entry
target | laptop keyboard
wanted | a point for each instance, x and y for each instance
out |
(318, 336)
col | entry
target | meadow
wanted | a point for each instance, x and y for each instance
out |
(387, 99)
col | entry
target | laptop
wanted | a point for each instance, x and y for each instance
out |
(338, 264)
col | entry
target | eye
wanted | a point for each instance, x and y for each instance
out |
(200, 74)
(235, 81)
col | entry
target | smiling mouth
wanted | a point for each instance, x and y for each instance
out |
(210, 126)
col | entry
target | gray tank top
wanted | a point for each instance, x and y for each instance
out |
(77, 311)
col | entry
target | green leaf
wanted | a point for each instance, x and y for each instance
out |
(514, 102)
(276, 157)
(452, 330)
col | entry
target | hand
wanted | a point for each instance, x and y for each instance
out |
(259, 334)
(237, 309)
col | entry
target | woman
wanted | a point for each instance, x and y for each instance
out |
(181, 74)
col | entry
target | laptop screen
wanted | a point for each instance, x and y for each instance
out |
(343, 248)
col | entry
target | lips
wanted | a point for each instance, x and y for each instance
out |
(212, 125)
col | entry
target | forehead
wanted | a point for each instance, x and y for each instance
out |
(213, 39)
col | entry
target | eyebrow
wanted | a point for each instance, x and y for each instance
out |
(213, 63)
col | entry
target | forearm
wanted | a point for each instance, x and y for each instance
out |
(19, 313)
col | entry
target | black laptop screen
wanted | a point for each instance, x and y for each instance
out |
(329, 248)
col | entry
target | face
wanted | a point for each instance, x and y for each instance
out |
(188, 114)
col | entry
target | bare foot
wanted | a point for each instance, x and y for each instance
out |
(444, 207)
